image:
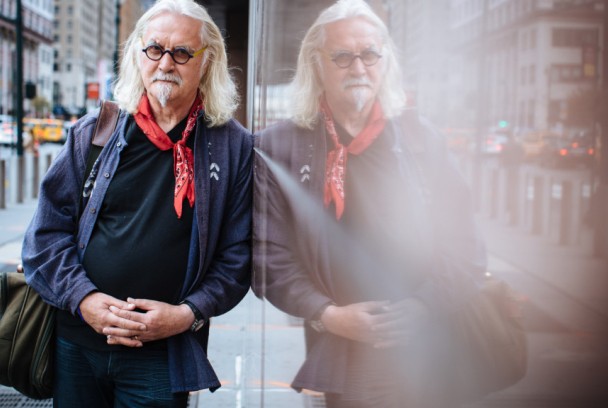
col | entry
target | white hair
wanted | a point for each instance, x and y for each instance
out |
(216, 86)
(306, 86)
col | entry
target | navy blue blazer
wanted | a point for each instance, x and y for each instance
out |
(218, 275)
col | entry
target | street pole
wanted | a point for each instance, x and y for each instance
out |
(19, 77)
(601, 199)
(482, 103)
(117, 49)
(19, 101)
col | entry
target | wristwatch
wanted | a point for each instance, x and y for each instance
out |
(199, 319)
(316, 322)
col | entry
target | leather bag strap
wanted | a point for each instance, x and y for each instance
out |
(106, 123)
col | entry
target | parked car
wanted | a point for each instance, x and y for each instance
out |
(582, 149)
(533, 143)
(8, 133)
(495, 143)
(566, 151)
(45, 130)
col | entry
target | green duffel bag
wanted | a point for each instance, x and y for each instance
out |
(27, 340)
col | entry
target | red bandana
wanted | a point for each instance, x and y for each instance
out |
(335, 170)
(182, 154)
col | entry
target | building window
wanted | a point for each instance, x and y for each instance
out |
(522, 114)
(530, 121)
(56, 92)
(532, 74)
(574, 37)
(566, 73)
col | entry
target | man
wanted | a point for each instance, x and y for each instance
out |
(162, 242)
(362, 225)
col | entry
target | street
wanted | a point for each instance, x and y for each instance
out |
(256, 350)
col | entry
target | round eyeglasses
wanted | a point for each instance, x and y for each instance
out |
(180, 55)
(344, 59)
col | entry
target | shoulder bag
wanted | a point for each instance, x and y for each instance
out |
(27, 323)
(485, 348)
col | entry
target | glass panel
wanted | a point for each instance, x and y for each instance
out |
(314, 91)
(347, 213)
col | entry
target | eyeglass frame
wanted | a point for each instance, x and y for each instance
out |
(335, 55)
(171, 52)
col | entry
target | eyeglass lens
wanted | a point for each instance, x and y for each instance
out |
(179, 55)
(345, 59)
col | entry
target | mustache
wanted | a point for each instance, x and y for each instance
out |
(356, 82)
(167, 77)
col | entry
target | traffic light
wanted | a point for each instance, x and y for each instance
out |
(30, 90)
(503, 124)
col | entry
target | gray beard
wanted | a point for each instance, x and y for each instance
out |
(360, 98)
(162, 92)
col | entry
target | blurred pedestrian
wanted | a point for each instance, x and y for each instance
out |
(163, 240)
(362, 224)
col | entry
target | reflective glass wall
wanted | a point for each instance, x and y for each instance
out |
(279, 27)
(503, 82)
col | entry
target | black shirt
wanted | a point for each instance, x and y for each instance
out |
(381, 217)
(138, 248)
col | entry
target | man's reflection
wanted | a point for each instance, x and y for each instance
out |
(362, 224)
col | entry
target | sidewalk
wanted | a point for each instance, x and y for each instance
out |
(565, 316)
(571, 277)
(13, 221)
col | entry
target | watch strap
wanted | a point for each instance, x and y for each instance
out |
(199, 319)
(316, 322)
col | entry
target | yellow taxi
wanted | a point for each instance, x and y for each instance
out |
(45, 130)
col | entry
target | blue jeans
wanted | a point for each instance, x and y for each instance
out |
(125, 378)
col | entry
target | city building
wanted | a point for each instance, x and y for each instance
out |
(420, 30)
(520, 62)
(84, 48)
(37, 55)
(87, 46)
(130, 12)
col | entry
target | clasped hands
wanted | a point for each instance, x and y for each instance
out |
(382, 324)
(135, 321)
